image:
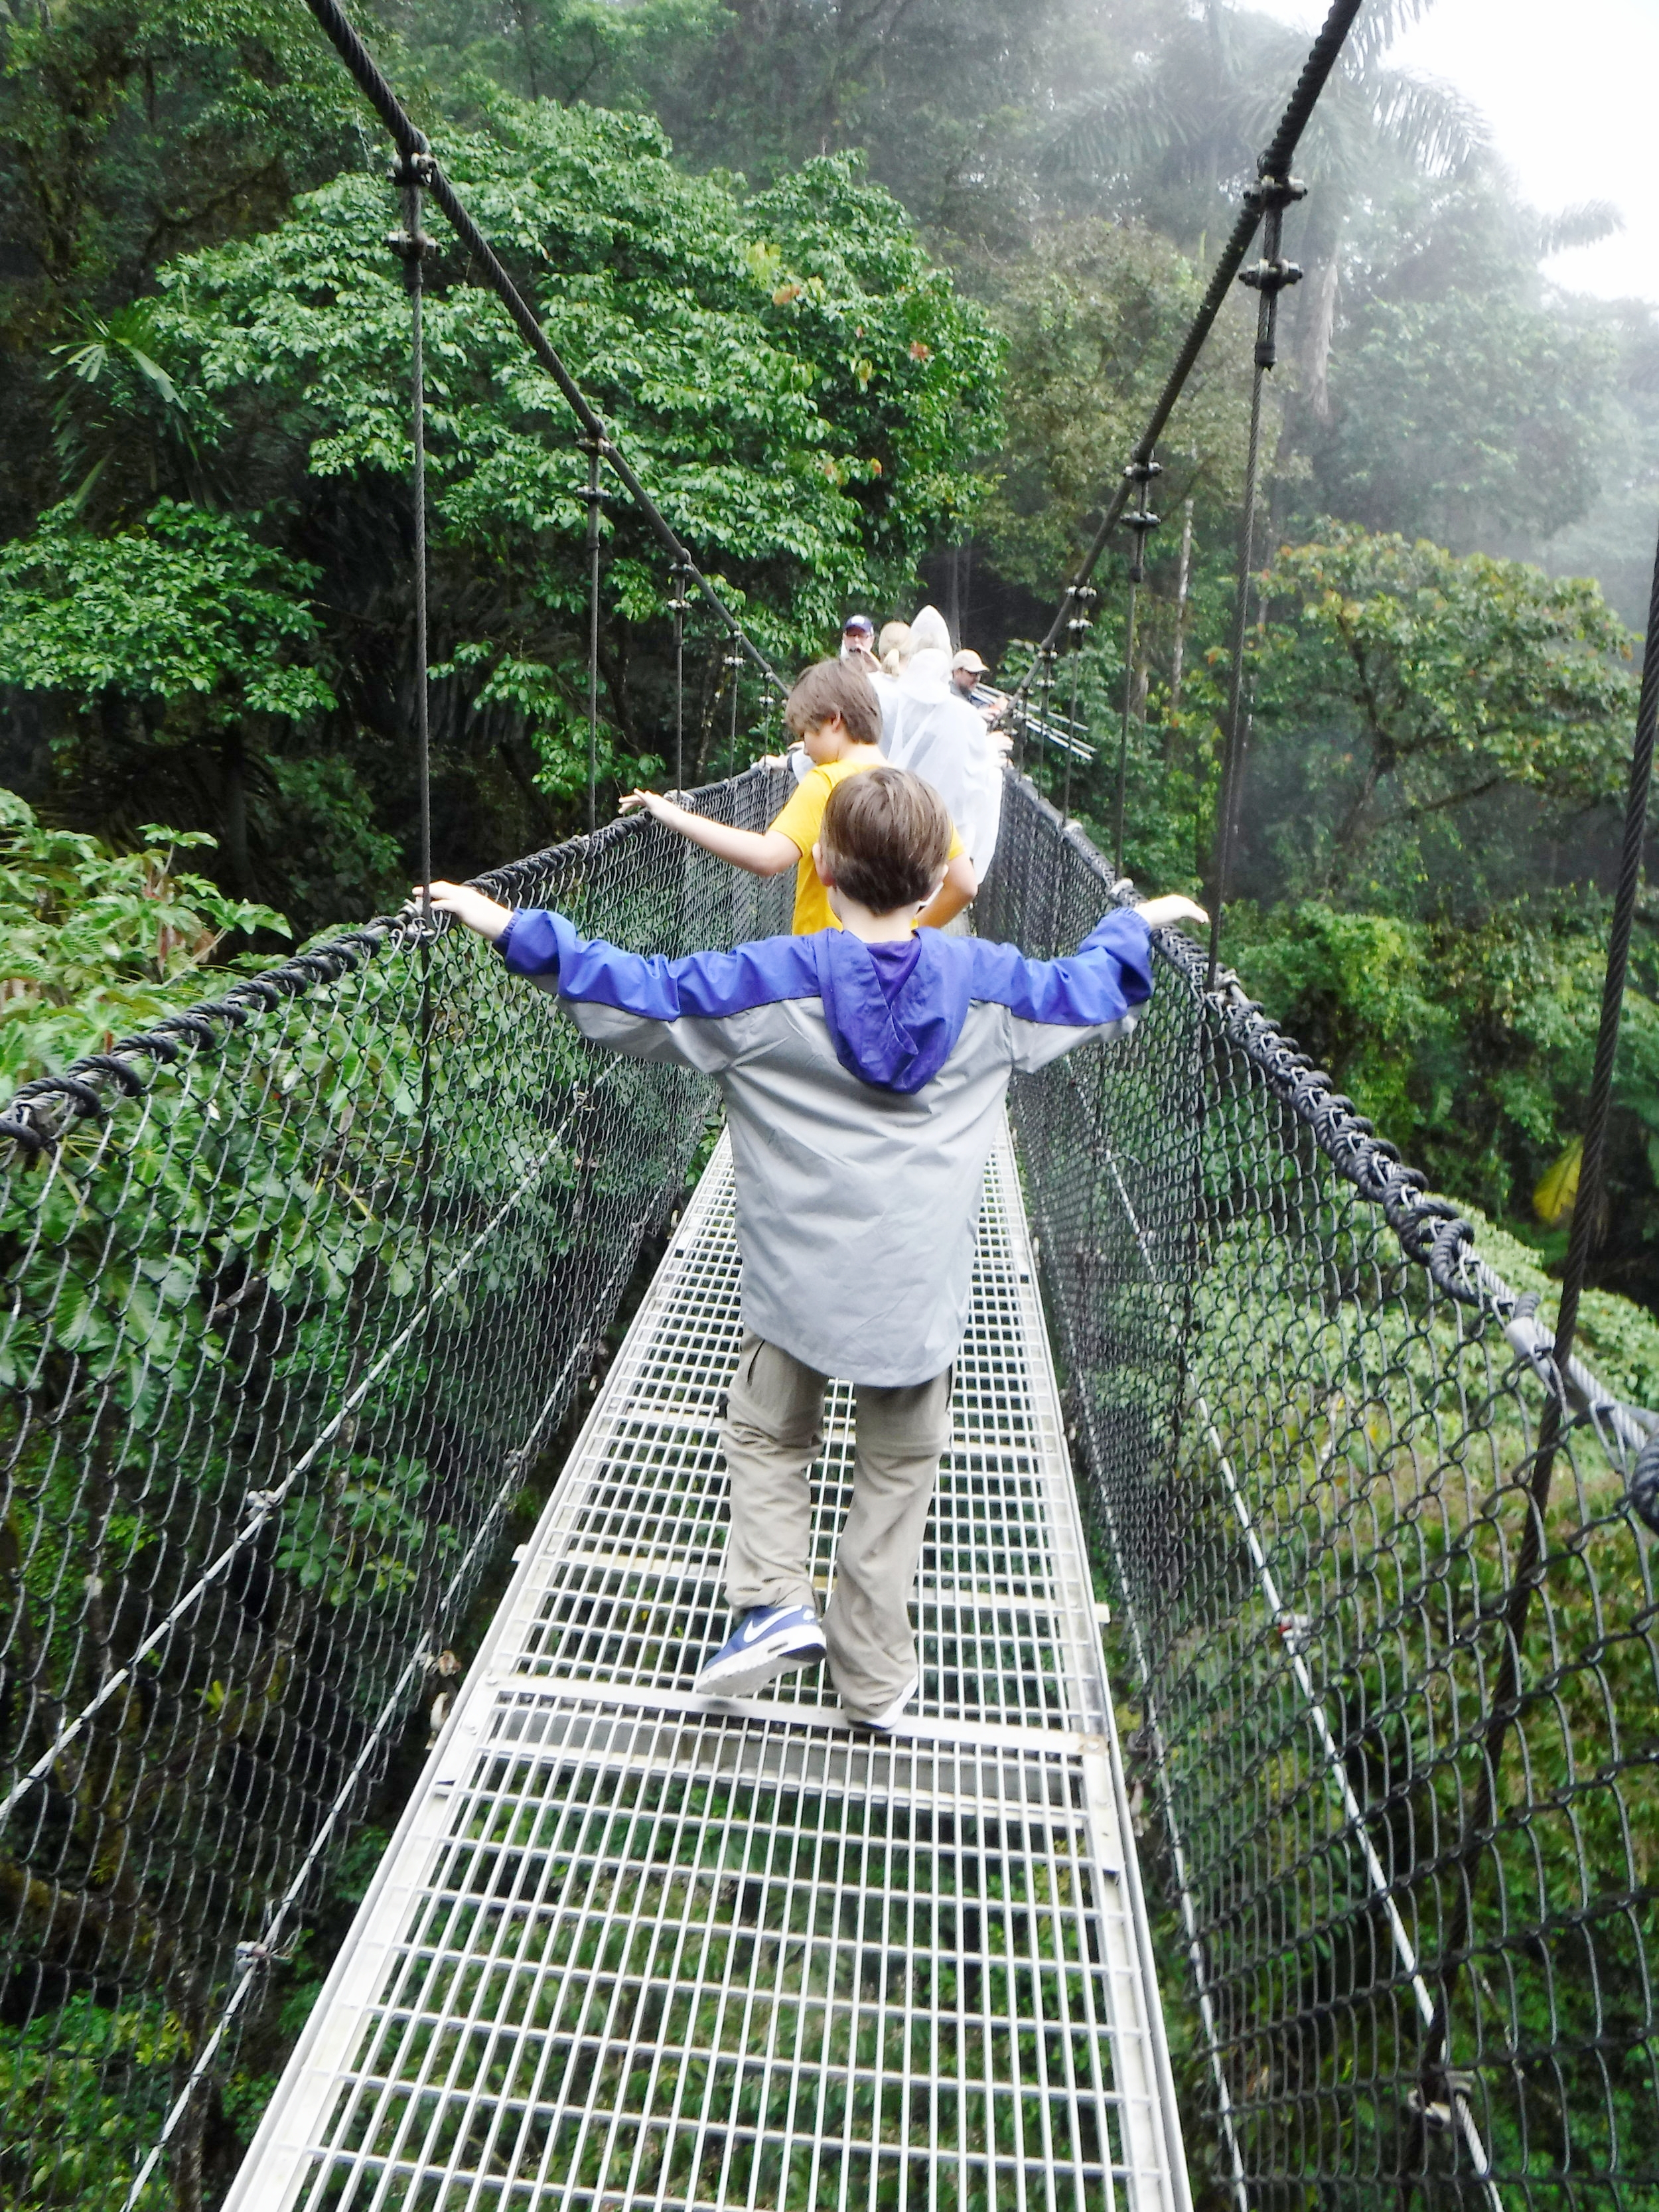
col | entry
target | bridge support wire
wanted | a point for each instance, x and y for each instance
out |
(636, 1945)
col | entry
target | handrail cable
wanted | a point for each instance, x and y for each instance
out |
(413, 145)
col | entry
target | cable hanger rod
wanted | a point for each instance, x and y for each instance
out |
(1274, 164)
(413, 145)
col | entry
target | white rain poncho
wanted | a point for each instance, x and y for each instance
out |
(928, 727)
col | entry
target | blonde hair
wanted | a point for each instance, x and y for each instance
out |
(893, 647)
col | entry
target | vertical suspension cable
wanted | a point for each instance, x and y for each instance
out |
(595, 500)
(1123, 730)
(1046, 656)
(679, 606)
(412, 244)
(1078, 628)
(1138, 523)
(735, 662)
(1269, 277)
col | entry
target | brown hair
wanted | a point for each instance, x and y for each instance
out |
(835, 687)
(885, 837)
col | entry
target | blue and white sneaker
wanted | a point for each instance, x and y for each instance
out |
(886, 1723)
(764, 1642)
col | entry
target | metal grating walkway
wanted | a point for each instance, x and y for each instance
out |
(629, 1947)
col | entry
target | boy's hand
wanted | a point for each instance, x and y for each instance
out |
(1155, 913)
(661, 808)
(486, 915)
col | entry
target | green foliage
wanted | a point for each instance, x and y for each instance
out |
(95, 2082)
(1438, 684)
(796, 383)
(95, 944)
(187, 614)
(1471, 1046)
(788, 374)
(1093, 314)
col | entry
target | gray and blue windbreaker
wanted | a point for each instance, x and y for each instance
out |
(861, 1085)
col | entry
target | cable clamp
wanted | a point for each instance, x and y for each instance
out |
(417, 169)
(1270, 276)
(410, 246)
(1268, 193)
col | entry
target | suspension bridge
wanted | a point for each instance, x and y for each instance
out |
(1334, 1890)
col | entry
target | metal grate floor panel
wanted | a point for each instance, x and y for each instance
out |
(631, 1946)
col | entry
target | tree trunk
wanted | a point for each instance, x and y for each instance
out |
(1314, 338)
(233, 807)
(1183, 590)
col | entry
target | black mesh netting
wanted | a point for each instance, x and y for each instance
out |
(300, 1286)
(1308, 1415)
(297, 1289)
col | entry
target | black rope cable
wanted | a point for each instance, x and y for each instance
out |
(595, 501)
(679, 607)
(1046, 662)
(1123, 730)
(1274, 162)
(1140, 522)
(1506, 1701)
(410, 142)
(735, 662)
(412, 244)
(1270, 276)
(1079, 627)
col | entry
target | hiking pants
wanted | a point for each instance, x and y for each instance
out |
(772, 1431)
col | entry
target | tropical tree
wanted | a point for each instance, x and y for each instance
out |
(798, 385)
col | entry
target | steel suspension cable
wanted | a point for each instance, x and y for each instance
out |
(1270, 276)
(413, 244)
(595, 502)
(1273, 163)
(1140, 522)
(410, 142)
(679, 606)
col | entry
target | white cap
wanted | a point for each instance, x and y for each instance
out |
(968, 659)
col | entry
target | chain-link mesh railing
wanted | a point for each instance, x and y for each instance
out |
(297, 1288)
(1308, 1414)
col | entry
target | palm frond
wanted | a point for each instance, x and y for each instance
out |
(1587, 224)
(1428, 121)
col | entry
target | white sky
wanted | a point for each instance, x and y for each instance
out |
(1571, 93)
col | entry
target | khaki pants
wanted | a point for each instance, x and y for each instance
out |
(772, 1434)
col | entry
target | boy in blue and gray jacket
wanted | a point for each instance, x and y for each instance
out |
(862, 1070)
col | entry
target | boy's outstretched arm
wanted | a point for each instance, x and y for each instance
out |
(1095, 991)
(763, 851)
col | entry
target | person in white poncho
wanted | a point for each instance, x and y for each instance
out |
(928, 727)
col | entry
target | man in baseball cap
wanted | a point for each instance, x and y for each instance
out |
(966, 670)
(858, 640)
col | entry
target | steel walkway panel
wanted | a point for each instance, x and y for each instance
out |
(633, 1946)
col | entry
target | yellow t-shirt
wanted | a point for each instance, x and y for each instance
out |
(801, 821)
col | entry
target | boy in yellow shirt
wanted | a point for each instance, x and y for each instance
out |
(833, 711)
